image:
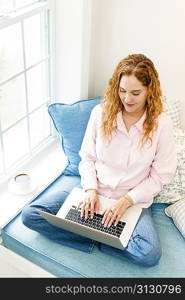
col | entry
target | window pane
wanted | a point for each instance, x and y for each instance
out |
(6, 6)
(39, 126)
(12, 101)
(22, 3)
(11, 5)
(1, 159)
(16, 143)
(11, 54)
(35, 39)
(37, 84)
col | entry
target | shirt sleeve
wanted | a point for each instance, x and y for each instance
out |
(87, 153)
(162, 169)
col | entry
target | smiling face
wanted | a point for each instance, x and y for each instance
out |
(133, 94)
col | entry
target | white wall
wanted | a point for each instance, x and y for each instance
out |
(155, 28)
(73, 21)
(68, 49)
(93, 35)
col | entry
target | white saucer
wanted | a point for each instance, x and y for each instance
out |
(17, 190)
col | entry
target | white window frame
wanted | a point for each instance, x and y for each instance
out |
(18, 16)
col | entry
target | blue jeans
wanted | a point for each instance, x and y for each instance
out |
(143, 248)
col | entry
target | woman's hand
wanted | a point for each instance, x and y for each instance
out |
(115, 212)
(90, 202)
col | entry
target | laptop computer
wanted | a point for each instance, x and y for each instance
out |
(69, 218)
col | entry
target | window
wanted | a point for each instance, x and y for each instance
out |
(8, 6)
(25, 81)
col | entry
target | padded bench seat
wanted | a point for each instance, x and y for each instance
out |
(67, 262)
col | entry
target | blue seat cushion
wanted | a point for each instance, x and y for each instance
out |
(67, 262)
(70, 121)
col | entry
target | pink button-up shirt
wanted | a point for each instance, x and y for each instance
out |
(120, 167)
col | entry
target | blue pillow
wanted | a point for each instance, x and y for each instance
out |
(70, 120)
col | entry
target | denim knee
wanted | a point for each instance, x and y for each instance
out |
(29, 216)
(148, 255)
(151, 259)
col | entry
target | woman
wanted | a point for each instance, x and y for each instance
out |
(128, 154)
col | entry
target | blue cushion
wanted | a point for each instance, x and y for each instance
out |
(67, 262)
(70, 120)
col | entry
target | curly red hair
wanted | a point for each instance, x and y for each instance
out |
(143, 69)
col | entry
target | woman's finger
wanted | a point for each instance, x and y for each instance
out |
(108, 215)
(97, 206)
(105, 214)
(87, 206)
(113, 218)
(108, 219)
(117, 220)
(83, 207)
(79, 204)
(92, 204)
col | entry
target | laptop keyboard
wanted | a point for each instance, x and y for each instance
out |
(96, 223)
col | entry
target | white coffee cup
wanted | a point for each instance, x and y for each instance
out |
(22, 184)
(23, 181)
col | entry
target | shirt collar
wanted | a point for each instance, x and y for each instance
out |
(138, 124)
